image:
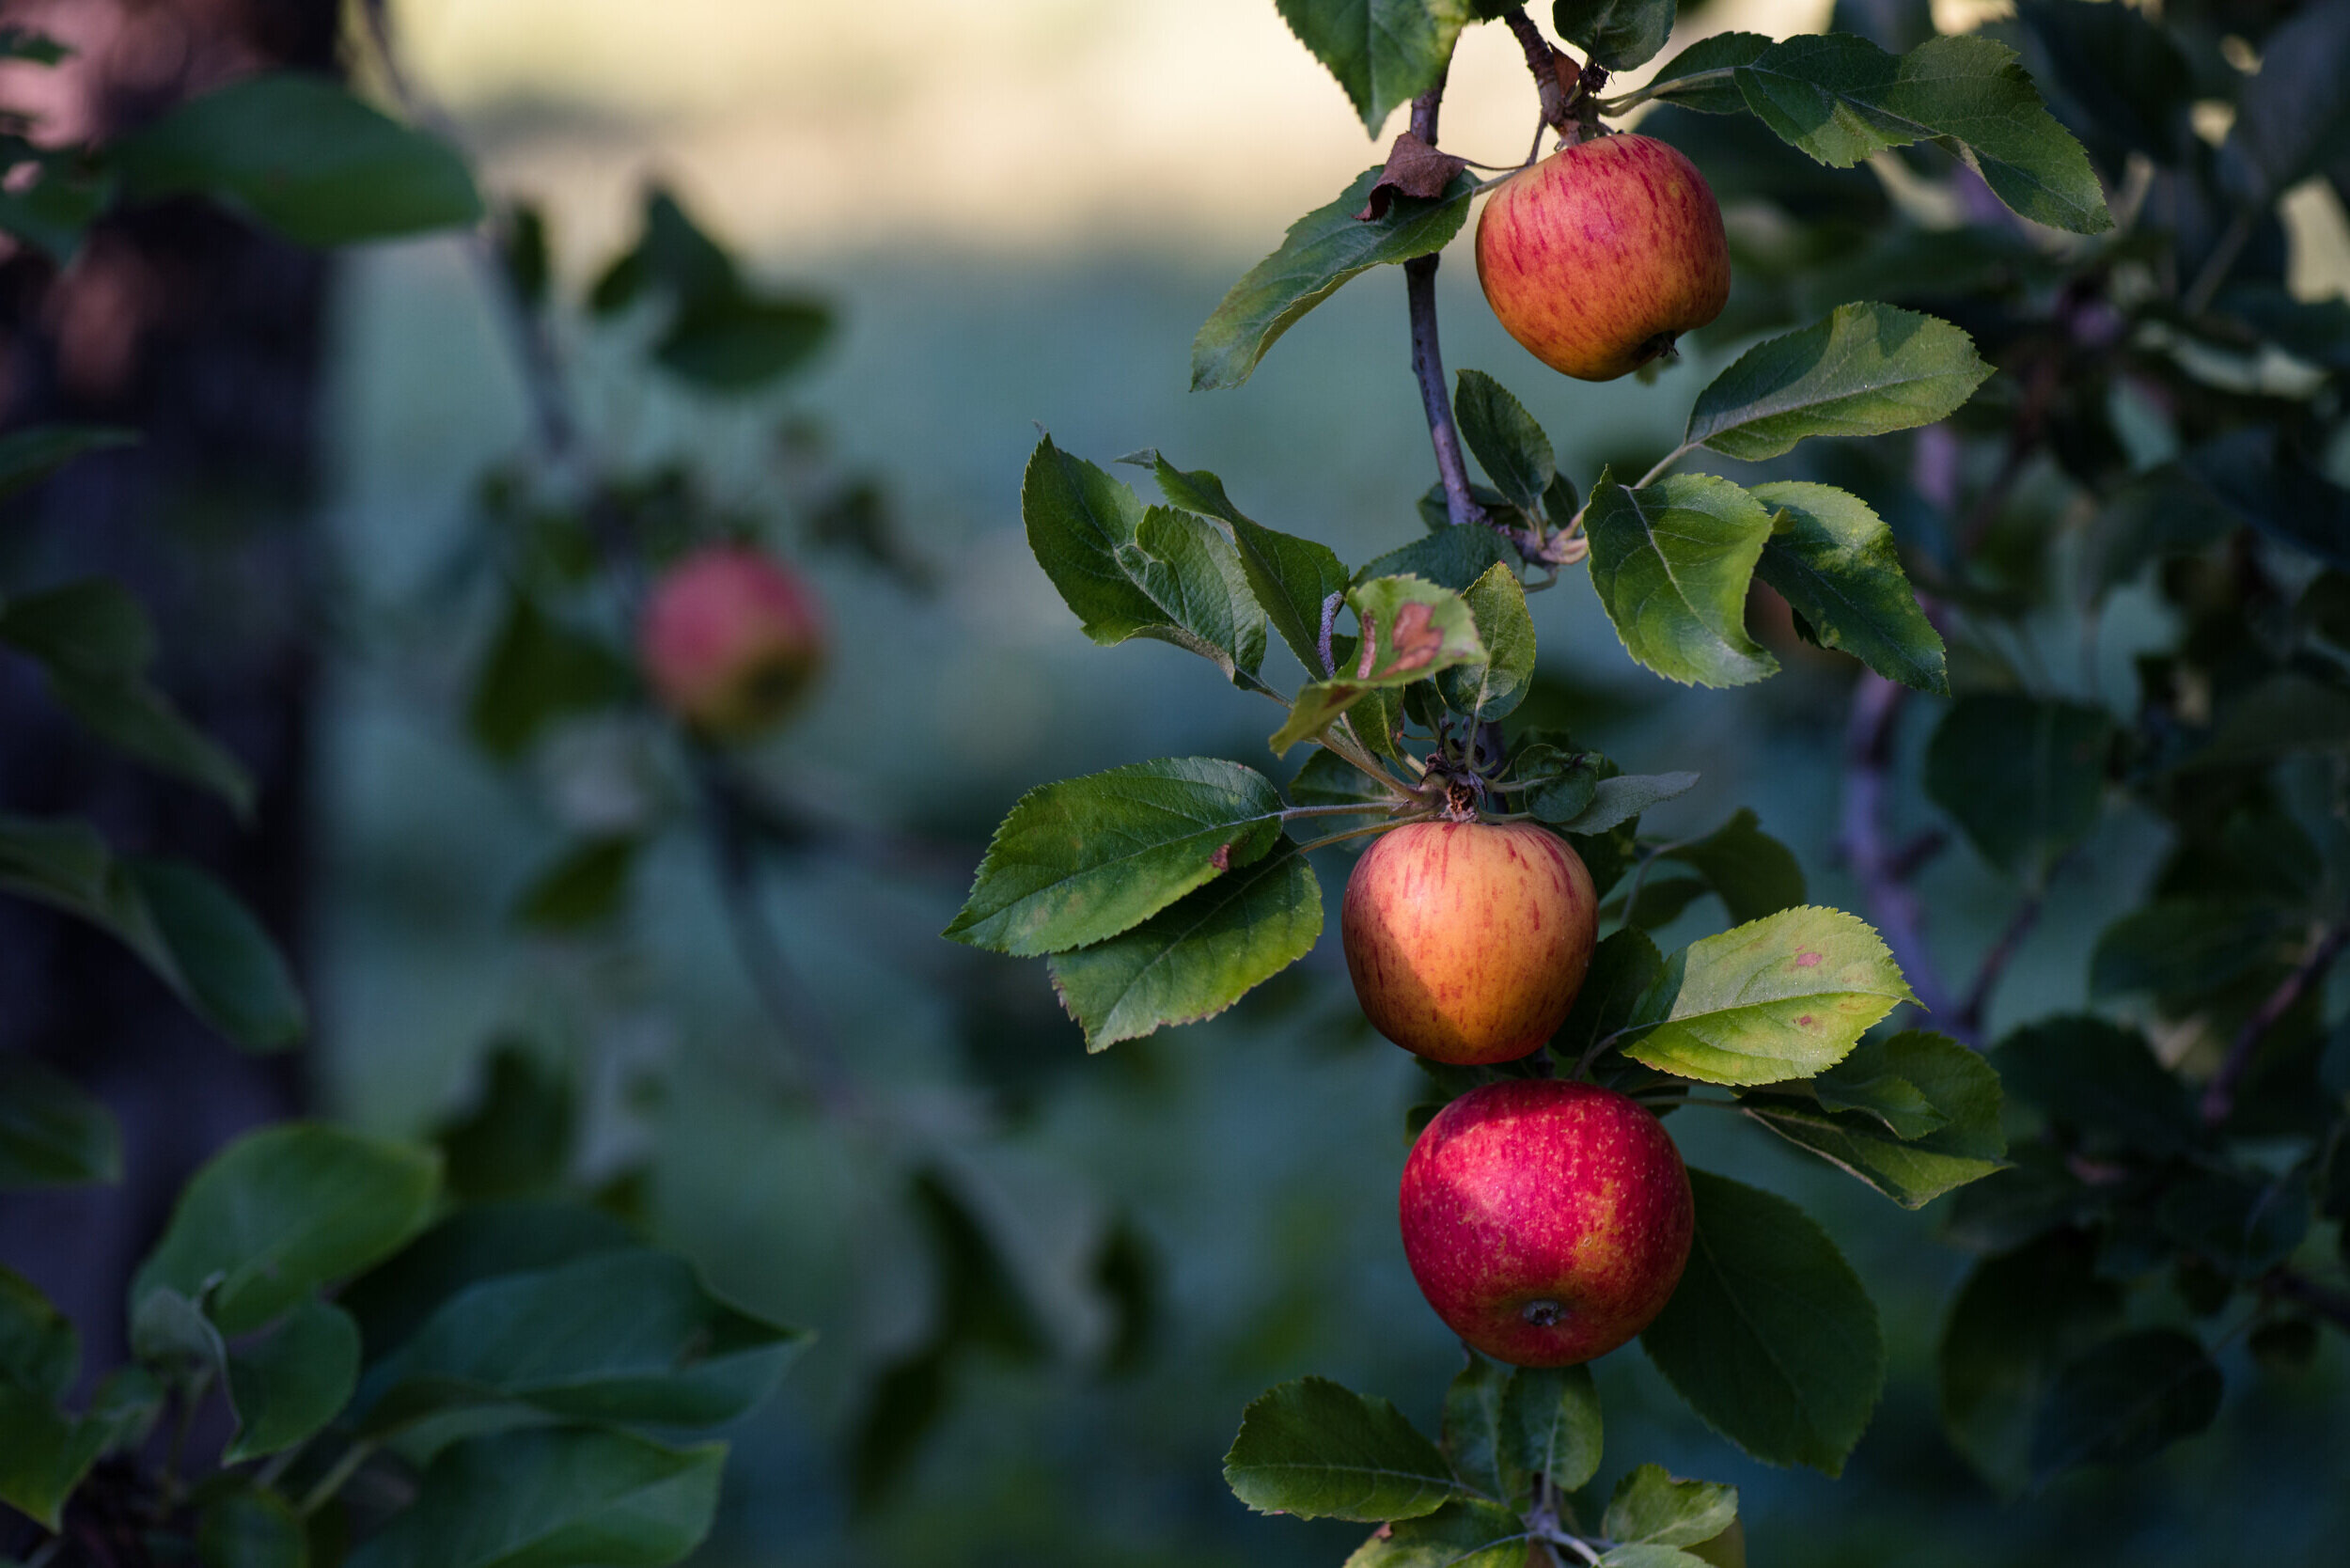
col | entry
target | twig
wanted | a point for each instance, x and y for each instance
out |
(1541, 59)
(1995, 962)
(1892, 902)
(794, 1013)
(2220, 1094)
(332, 1482)
(1419, 293)
(2215, 272)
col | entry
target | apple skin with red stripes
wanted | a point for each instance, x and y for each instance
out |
(1546, 1221)
(1469, 941)
(1602, 253)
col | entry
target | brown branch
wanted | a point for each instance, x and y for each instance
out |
(2220, 1094)
(1892, 902)
(1995, 962)
(1541, 60)
(1419, 292)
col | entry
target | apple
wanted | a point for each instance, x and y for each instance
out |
(1600, 255)
(1468, 941)
(1545, 1222)
(731, 639)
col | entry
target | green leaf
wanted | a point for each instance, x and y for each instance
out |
(30, 455)
(1650, 1505)
(1329, 779)
(1862, 369)
(1616, 34)
(2188, 948)
(619, 1336)
(1084, 859)
(481, 1241)
(2016, 1320)
(1770, 1337)
(1383, 52)
(1319, 1451)
(192, 931)
(1780, 997)
(2125, 1401)
(305, 157)
(1835, 562)
(291, 1385)
(1321, 251)
(1408, 629)
(1839, 97)
(565, 1497)
(234, 976)
(1648, 1554)
(94, 644)
(2242, 1223)
(539, 670)
(1509, 446)
(1447, 556)
(1196, 957)
(2119, 68)
(248, 1528)
(584, 886)
(1755, 874)
(1472, 1426)
(45, 1454)
(1716, 94)
(1914, 1116)
(1291, 578)
(53, 1133)
(1493, 686)
(515, 1137)
(284, 1211)
(1460, 1535)
(39, 1350)
(2098, 1080)
(1550, 1426)
(736, 342)
(170, 1333)
(1613, 801)
(2024, 778)
(1671, 562)
(1130, 572)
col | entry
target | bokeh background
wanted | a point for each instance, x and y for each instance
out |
(1021, 210)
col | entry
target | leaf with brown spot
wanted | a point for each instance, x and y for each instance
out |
(1414, 169)
(1745, 1008)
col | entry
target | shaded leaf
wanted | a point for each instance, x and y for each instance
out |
(1446, 555)
(1472, 1426)
(2016, 1320)
(1086, 858)
(1290, 578)
(1648, 1504)
(53, 1133)
(1839, 97)
(1491, 687)
(1196, 957)
(539, 670)
(1617, 34)
(1550, 1426)
(584, 886)
(1770, 1337)
(1716, 94)
(291, 1385)
(1381, 52)
(307, 158)
(1460, 1535)
(2024, 778)
(31, 454)
(283, 1211)
(1755, 874)
(1614, 801)
(1509, 446)
(248, 1528)
(479, 1241)
(1671, 562)
(1130, 572)
(1319, 1451)
(1834, 561)
(1862, 369)
(2125, 1401)
(1321, 251)
(2098, 1080)
(553, 1498)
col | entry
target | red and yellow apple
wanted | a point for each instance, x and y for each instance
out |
(731, 639)
(1469, 941)
(1545, 1222)
(1600, 255)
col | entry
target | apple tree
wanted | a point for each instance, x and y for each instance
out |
(2018, 342)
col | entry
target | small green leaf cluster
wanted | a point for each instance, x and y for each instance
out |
(1513, 1476)
(502, 1359)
